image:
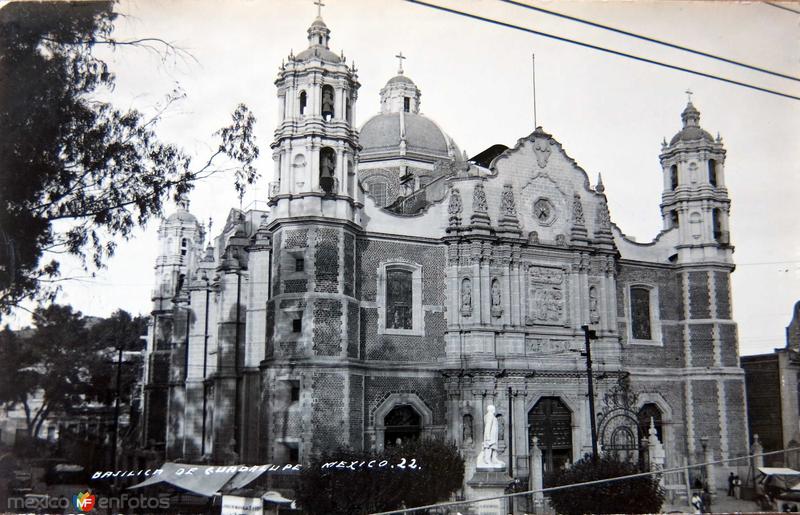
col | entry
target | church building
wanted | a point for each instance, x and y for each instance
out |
(396, 288)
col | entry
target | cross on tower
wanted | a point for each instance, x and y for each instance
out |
(689, 94)
(319, 5)
(400, 58)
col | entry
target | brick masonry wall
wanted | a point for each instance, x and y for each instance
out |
(297, 239)
(326, 260)
(432, 258)
(699, 296)
(700, 336)
(353, 321)
(706, 411)
(356, 412)
(670, 309)
(673, 394)
(349, 264)
(723, 294)
(327, 327)
(764, 399)
(429, 389)
(327, 417)
(728, 345)
(736, 416)
(392, 347)
(295, 285)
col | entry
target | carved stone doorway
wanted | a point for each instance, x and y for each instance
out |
(402, 424)
(550, 421)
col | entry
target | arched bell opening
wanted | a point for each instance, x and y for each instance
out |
(327, 169)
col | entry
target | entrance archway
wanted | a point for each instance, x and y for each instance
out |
(402, 424)
(550, 421)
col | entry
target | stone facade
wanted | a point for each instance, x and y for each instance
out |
(330, 321)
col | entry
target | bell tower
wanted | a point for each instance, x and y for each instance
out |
(316, 141)
(695, 200)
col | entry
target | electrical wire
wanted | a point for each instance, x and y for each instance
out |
(779, 6)
(650, 40)
(604, 49)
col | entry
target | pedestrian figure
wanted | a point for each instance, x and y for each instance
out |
(731, 480)
(706, 498)
(737, 486)
(697, 503)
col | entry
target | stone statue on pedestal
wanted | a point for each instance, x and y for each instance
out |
(488, 457)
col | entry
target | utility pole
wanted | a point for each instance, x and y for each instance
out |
(510, 436)
(589, 335)
(116, 409)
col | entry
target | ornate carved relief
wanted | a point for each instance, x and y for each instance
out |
(603, 218)
(479, 199)
(454, 208)
(545, 296)
(508, 204)
(577, 210)
(541, 147)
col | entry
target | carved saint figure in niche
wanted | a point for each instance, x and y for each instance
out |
(327, 102)
(466, 297)
(594, 314)
(467, 432)
(497, 300)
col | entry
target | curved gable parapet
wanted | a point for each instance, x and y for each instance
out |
(659, 250)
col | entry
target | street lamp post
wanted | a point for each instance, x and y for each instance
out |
(589, 335)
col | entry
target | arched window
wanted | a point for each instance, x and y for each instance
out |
(379, 191)
(348, 110)
(673, 217)
(327, 169)
(303, 102)
(399, 299)
(406, 104)
(328, 110)
(640, 313)
(673, 176)
(402, 424)
(649, 412)
(712, 172)
(184, 246)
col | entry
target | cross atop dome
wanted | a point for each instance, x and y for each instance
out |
(319, 5)
(400, 57)
(689, 94)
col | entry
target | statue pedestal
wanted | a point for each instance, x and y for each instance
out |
(486, 482)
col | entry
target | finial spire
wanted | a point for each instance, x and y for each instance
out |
(400, 57)
(689, 94)
(319, 5)
(600, 188)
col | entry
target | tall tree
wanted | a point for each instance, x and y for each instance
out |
(67, 361)
(50, 370)
(76, 172)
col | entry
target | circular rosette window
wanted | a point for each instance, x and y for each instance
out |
(544, 212)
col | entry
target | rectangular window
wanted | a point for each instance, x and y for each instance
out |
(293, 456)
(399, 299)
(640, 313)
(297, 325)
(299, 264)
(406, 104)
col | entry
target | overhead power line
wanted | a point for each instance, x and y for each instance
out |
(779, 6)
(603, 49)
(651, 40)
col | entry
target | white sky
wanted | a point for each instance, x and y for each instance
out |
(610, 113)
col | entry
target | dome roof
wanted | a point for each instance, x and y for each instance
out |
(182, 215)
(320, 52)
(381, 133)
(400, 79)
(691, 133)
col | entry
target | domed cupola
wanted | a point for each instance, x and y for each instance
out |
(402, 150)
(691, 132)
(318, 37)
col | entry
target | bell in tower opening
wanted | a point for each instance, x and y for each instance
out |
(327, 103)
